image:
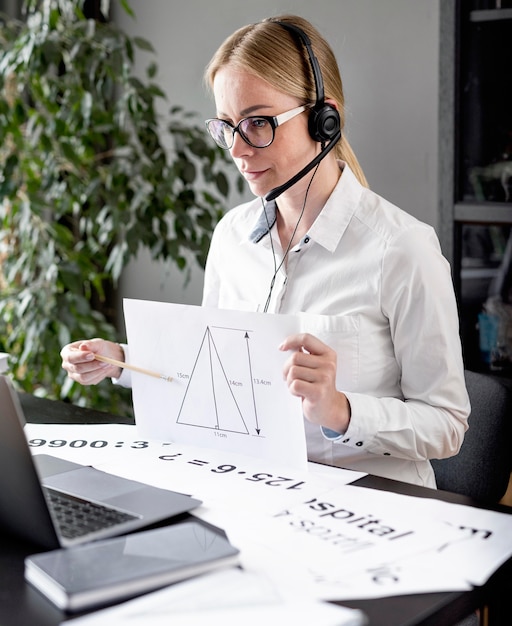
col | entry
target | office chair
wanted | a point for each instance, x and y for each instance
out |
(482, 468)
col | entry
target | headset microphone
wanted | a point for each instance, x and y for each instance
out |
(277, 191)
(324, 120)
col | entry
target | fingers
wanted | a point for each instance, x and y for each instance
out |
(79, 362)
(311, 361)
(310, 373)
(306, 343)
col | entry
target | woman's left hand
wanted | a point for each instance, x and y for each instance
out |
(310, 373)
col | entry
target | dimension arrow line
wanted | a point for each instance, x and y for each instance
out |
(252, 383)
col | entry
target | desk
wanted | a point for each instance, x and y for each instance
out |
(22, 605)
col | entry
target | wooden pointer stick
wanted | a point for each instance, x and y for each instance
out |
(134, 368)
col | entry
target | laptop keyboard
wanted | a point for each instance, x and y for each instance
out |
(76, 517)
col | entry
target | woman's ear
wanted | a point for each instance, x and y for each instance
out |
(332, 103)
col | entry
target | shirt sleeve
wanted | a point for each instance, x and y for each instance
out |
(419, 301)
(125, 380)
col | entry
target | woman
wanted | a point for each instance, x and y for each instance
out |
(379, 370)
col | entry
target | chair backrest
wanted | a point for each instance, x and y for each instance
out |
(482, 468)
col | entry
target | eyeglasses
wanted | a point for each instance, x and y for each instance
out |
(258, 130)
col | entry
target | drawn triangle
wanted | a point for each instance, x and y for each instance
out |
(209, 401)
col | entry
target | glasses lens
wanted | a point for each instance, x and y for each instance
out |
(257, 131)
(221, 133)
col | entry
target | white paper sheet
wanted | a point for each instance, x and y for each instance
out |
(226, 598)
(484, 538)
(312, 535)
(93, 444)
(362, 543)
(347, 545)
(227, 390)
(224, 480)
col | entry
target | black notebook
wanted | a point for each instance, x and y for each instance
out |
(107, 571)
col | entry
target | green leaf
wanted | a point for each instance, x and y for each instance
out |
(143, 44)
(127, 8)
(152, 70)
(90, 174)
(222, 183)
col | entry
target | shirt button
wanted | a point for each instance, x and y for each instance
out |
(306, 239)
(387, 453)
(346, 440)
(359, 443)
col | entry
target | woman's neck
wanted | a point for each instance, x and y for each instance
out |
(299, 207)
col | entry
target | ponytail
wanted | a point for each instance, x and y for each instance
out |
(345, 153)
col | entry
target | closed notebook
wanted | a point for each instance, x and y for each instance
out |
(103, 572)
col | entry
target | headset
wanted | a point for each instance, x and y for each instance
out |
(324, 120)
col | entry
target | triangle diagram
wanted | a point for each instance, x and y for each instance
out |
(209, 401)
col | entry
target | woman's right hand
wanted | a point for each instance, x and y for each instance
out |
(79, 361)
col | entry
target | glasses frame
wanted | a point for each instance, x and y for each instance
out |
(273, 120)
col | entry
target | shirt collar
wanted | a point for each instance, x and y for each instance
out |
(266, 219)
(331, 223)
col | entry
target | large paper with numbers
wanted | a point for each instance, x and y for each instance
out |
(227, 390)
(310, 534)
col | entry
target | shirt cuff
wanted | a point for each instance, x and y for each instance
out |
(331, 435)
(125, 379)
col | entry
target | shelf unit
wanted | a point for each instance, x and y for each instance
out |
(475, 170)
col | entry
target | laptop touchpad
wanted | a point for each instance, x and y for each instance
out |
(90, 483)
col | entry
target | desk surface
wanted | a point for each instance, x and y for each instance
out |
(22, 605)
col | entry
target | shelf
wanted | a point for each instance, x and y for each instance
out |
(490, 15)
(483, 212)
(475, 134)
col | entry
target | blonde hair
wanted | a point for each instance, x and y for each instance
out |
(268, 51)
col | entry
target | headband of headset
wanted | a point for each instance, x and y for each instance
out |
(324, 119)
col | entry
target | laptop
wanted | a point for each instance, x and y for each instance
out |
(38, 491)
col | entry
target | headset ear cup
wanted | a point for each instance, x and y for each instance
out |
(324, 123)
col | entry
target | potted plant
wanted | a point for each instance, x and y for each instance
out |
(88, 177)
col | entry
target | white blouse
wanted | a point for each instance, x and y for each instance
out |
(371, 282)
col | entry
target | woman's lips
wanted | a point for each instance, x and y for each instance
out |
(252, 175)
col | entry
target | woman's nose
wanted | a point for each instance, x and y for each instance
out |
(240, 148)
